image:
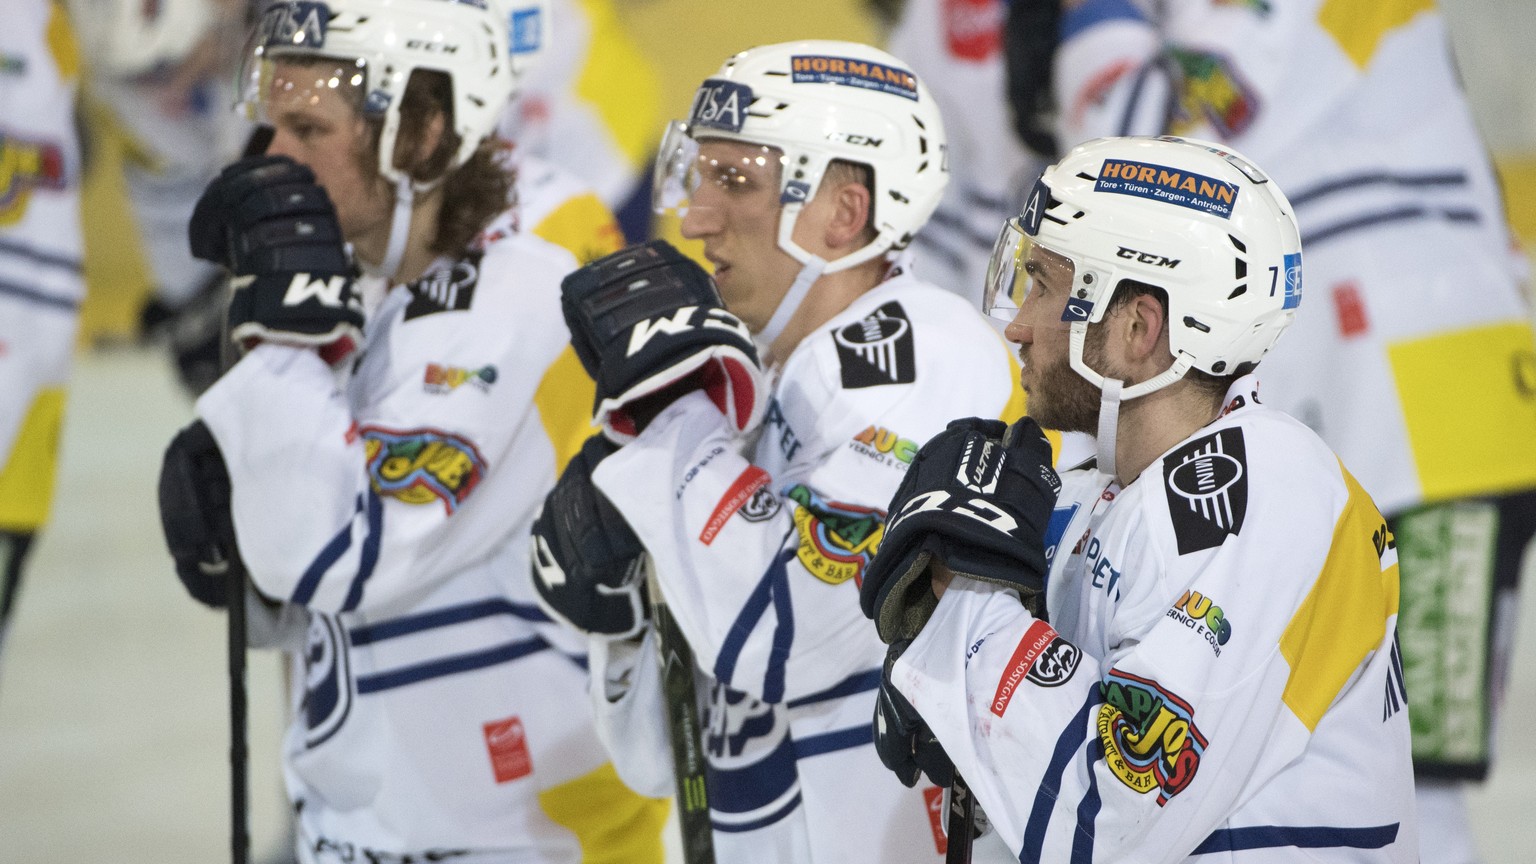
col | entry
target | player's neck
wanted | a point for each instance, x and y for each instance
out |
(418, 254)
(1151, 425)
(829, 296)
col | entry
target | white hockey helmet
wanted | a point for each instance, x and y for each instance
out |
(484, 46)
(1190, 217)
(816, 101)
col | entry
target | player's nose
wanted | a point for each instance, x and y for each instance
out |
(700, 222)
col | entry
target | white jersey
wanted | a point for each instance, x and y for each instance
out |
(41, 269)
(1220, 673)
(441, 713)
(956, 46)
(760, 558)
(1412, 360)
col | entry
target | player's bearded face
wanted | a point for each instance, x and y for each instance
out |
(1059, 398)
(734, 208)
(313, 106)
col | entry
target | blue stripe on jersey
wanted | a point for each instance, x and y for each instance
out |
(728, 828)
(1088, 809)
(37, 256)
(1299, 836)
(310, 581)
(858, 682)
(1067, 745)
(445, 617)
(831, 742)
(783, 633)
(449, 666)
(751, 613)
(370, 556)
(1371, 220)
(32, 295)
(753, 786)
(1378, 178)
(1087, 14)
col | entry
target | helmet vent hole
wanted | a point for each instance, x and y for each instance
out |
(1191, 322)
(922, 145)
(1242, 269)
(1090, 178)
(776, 74)
(919, 122)
(923, 167)
(1237, 243)
(900, 197)
(1238, 291)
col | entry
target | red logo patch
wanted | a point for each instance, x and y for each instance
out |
(1351, 309)
(508, 747)
(1039, 636)
(741, 491)
(974, 28)
(933, 796)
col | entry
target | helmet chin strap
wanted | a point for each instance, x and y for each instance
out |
(1113, 392)
(399, 231)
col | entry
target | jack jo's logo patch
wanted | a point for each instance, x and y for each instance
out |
(24, 166)
(419, 466)
(1196, 611)
(1042, 658)
(837, 540)
(1166, 184)
(1211, 91)
(445, 379)
(818, 69)
(1206, 482)
(1149, 736)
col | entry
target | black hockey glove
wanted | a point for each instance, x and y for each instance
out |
(905, 743)
(195, 515)
(649, 326)
(976, 498)
(1031, 35)
(267, 220)
(586, 560)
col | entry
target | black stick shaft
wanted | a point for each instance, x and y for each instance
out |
(961, 824)
(239, 785)
(677, 677)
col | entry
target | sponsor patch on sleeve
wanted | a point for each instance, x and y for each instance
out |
(1206, 482)
(1042, 658)
(819, 69)
(837, 540)
(1149, 736)
(507, 744)
(1167, 184)
(419, 466)
(448, 289)
(877, 349)
(749, 495)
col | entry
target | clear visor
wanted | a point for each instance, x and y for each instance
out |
(691, 175)
(1027, 283)
(271, 81)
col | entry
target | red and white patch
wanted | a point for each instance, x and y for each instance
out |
(739, 493)
(508, 748)
(933, 796)
(1351, 310)
(1036, 639)
(973, 29)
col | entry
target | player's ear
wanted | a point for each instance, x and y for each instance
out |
(850, 215)
(1141, 326)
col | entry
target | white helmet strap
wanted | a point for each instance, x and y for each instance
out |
(399, 231)
(1112, 391)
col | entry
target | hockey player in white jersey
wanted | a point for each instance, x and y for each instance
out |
(388, 439)
(1204, 664)
(1409, 366)
(805, 167)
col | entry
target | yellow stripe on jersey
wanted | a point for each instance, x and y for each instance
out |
(582, 226)
(619, 83)
(564, 400)
(1482, 378)
(26, 481)
(612, 823)
(1360, 25)
(61, 42)
(1344, 617)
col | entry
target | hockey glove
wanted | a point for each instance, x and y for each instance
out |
(649, 326)
(905, 743)
(586, 560)
(267, 220)
(195, 514)
(976, 498)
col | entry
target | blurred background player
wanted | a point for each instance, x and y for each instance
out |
(41, 283)
(805, 168)
(1418, 371)
(439, 715)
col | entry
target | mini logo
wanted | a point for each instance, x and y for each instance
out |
(1207, 487)
(447, 289)
(846, 71)
(877, 350)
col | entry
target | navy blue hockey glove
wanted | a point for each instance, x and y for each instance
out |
(267, 220)
(586, 560)
(976, 498)
(195, 515)
(905, 743)
(649, 326)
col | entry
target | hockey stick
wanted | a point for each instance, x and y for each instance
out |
(961, 823)
(677, 681)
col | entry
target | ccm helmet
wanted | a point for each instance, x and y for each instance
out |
(482, 45)
(1190, 217)
(816, 101)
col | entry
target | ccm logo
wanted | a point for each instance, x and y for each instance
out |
(1147, 258)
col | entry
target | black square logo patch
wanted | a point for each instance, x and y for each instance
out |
(448, 289)
(1207, 485)
(877, 349)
